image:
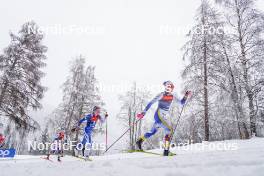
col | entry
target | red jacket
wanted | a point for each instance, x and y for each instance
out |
(2, 139)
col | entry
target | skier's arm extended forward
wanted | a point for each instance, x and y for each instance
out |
(158, 97)
(82, 120)
(79, 123)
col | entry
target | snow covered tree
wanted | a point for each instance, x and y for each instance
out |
(233, 68)
(201, 50)
(20, 83)
(80, 95)
(246, 33)
(229, 85)
(72, 90)
(20, 78)
(133, 102)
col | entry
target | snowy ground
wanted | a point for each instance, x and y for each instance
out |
(246, 160)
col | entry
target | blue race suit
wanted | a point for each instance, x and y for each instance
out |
(91, 121)
(161, 115)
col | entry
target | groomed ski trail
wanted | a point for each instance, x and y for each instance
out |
(248, 159)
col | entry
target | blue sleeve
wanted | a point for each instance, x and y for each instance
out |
(157, 98)
(183, 101)
(178, 100)
(84, 119)
(56, 138)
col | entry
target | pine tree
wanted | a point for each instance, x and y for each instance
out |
(20, 68)
(201, 50)
(20, 83)
(80, 95)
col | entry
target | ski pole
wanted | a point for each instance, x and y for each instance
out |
(106, 134)
(173, 132)
(121, 136)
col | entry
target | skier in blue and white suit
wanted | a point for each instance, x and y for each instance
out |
(91, 120)
(161, 116)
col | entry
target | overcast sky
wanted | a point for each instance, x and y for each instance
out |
(127, 40)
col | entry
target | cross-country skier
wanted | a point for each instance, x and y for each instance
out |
(91, 120)
(161, 118)
(58, 140)
(2, 140)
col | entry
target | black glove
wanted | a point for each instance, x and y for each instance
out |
(75, 129)
(187, 94)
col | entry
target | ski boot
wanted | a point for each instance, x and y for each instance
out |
(139, 143)
(48, 156)
(59, 160)
(83, 151)
(166, 152)
(167, 146)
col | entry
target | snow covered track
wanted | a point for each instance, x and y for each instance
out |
(247, 160)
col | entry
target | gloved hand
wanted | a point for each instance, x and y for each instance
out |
(106, 115)
(141, 115)
(187, 94)
(75, 129)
